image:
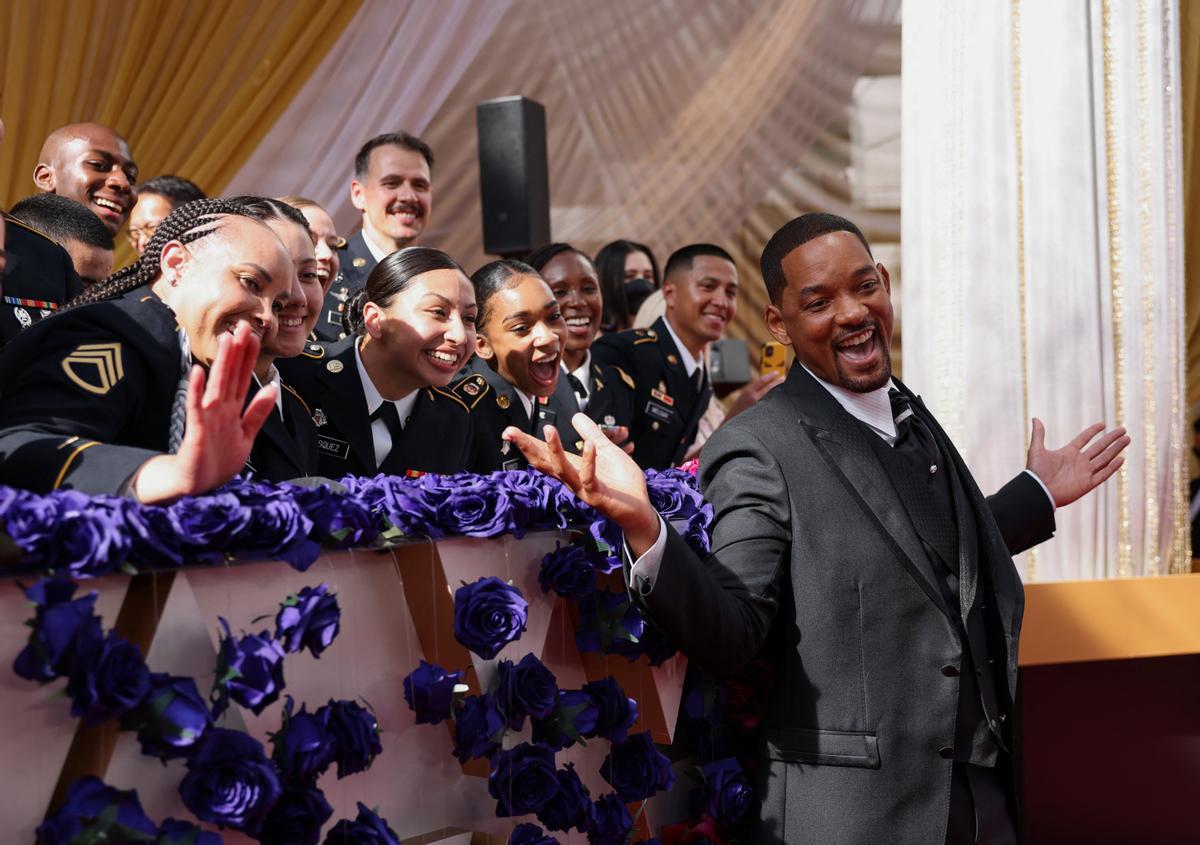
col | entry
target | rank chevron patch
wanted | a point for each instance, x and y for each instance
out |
(96, 367)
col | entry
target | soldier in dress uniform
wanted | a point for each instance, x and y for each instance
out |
(386, 399)
(659, 383)
(104, 397)
(39, 279)
(392, 189)
(519, 351)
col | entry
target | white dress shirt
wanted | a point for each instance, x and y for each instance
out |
(584, 373)
(377, 252)
(273, 378)
(689, 361)
(873, 409)
(380, 434)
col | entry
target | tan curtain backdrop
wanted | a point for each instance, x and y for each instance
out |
(193, 86)
(1189, 77)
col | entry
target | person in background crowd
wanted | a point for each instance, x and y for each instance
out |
(328, 241)
(75, 229)
(662, 387)
(140, 386)
(157, 198)
(91, 164)
(628, 274)
(519, 352)
(286, 447)
(393, 189)
(572, 277)
(382, 398)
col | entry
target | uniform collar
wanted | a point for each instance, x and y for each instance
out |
(690, 364)
(377, 252)
(273, 378)
(404, 404)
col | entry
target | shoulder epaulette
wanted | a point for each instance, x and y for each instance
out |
(467, 391)
(315, 351)
(12, 221)
(644, 336)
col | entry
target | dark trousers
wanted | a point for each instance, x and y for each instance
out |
(979, 808)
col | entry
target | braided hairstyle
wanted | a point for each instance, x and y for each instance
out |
(188, 223)
(266, 209)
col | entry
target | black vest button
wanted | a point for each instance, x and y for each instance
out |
(950, 670)
(946, 752)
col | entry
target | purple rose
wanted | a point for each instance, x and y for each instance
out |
(32, 523)
(609, 822)
(249, 670)
(697, 536)
(573, 717)
(171, 718)
(478, 727)
(109, 679)
(655, 645)
(429, 691)
(476, 508)
(296, 818)
(608, 541)
(615, 712)
(637, 769)
(570, 806)
(367, 829)
(175, 832)
(525, 689)
(727, 793)
(532, 499)
(488, 615)
(339, 521)
(209, 524)
(530, 834)
(303, 747)
(96, 812)
(569, 571)
(230, 781)
(609, 623)
(91, 538)
(310, 619)
(355, 735)
(522, 779)
(675, 495)
(60, 625)
(279, 530)
(400, 505)
(154, 533)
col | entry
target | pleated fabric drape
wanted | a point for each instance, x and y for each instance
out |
(1189, 78)
(194, 87)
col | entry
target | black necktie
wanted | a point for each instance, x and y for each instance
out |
(698, 379)
(914, 440)
(391, 418)
(577, 386)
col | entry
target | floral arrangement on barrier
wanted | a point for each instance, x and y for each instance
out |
(231, 782)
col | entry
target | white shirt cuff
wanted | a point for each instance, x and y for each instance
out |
(644, 571)
(1045, 489)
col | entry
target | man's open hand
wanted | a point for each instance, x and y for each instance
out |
(1079, 467)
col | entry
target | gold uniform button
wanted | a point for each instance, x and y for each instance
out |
(671, 359)
(335, 366)
(502, 401)
(360, 262)
(654, 426)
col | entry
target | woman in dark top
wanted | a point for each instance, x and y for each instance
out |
(382, 398)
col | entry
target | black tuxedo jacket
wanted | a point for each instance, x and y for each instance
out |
(816, 566)
(356, 262)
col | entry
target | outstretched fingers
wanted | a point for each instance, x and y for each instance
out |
(1116, 437)
(1084, 437)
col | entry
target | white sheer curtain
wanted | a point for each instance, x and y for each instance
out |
(1042, 253)
(391, 70)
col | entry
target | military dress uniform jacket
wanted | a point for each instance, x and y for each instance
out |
(490, 452)
(649, 390)
(436, 437)
(38, 280)
(86, 396)
(356, 263)
(286, 447)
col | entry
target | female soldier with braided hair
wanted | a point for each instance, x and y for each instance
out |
(96, 398)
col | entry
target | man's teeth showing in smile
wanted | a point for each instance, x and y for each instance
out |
(109, 204)
(858, 346)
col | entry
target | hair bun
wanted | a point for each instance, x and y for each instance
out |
(352, 318)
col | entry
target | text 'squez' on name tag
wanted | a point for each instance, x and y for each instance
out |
(333, 446)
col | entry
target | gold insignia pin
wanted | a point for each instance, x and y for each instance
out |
(335, 366)
(95, 367)
(359, 262)
(470, 388)
(672, 359)
(319, 418)
(503, 401)
(579, 445)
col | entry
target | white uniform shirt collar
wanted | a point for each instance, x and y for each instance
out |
(273, 378)
(874, 409)
(690, 363)
(377, 252)
(584, 373)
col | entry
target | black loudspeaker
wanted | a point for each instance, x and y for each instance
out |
(514, 179)
(729, 362)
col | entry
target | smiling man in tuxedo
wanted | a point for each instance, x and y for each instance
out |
(852, 548)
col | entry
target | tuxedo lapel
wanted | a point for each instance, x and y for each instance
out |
(843, 442)
(342, 400)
